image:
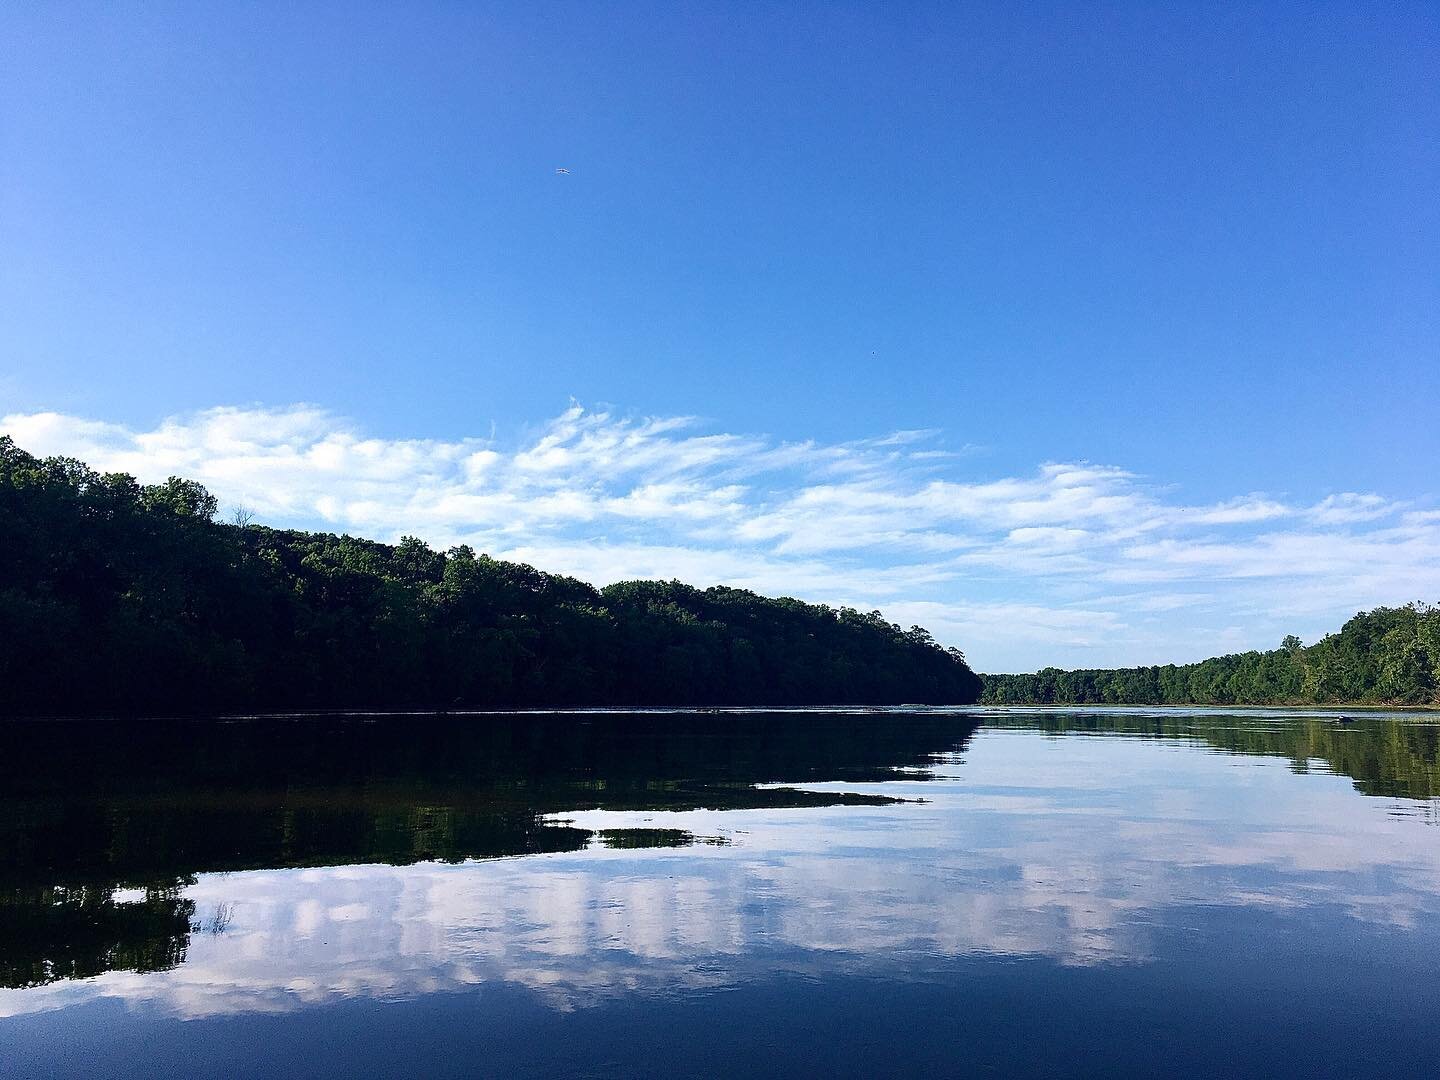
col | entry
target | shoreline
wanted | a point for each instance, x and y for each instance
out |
(1320, 710)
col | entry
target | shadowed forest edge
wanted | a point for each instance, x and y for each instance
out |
(117, 597)
(121, 598)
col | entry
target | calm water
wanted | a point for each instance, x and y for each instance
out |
(870, 893)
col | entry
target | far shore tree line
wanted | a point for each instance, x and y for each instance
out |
(1388, 656)
(118, 597)
(122, 597)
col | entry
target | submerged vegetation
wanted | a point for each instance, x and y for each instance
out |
(120, 597)
(1389, 656)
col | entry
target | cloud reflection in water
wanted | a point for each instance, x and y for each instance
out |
(1084, 851)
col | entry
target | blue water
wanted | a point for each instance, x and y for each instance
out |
(876, 893)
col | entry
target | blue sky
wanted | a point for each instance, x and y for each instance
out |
(1162, 285)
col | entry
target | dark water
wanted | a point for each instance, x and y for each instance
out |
(896, 893)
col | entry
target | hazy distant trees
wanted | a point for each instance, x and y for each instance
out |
(120, 597)
(1389, 656)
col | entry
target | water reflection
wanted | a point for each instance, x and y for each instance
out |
(1386, 755)
(674, 854)
(91, 808)
(77, 932)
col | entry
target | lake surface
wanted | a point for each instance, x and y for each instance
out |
(865, 893)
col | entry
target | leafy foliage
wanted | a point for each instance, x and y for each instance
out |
(1389, 656)
(117, 597)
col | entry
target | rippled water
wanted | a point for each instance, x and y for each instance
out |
(861, 893)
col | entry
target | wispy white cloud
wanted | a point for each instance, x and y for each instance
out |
(1348, 506)
(1019, 570)
(1238, 511)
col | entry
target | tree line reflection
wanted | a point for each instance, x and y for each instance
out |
(103, 827)
(1384, 756)
(89, 810)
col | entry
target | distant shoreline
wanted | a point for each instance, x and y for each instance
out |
(719, 710)
(1388, 657)
(1308, 706)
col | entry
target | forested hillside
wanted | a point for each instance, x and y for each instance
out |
(118, 597)
(1389, 656)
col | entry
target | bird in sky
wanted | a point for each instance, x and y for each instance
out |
(562, 172)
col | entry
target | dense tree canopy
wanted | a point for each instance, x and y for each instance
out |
(1389, 656)
(118, 597)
